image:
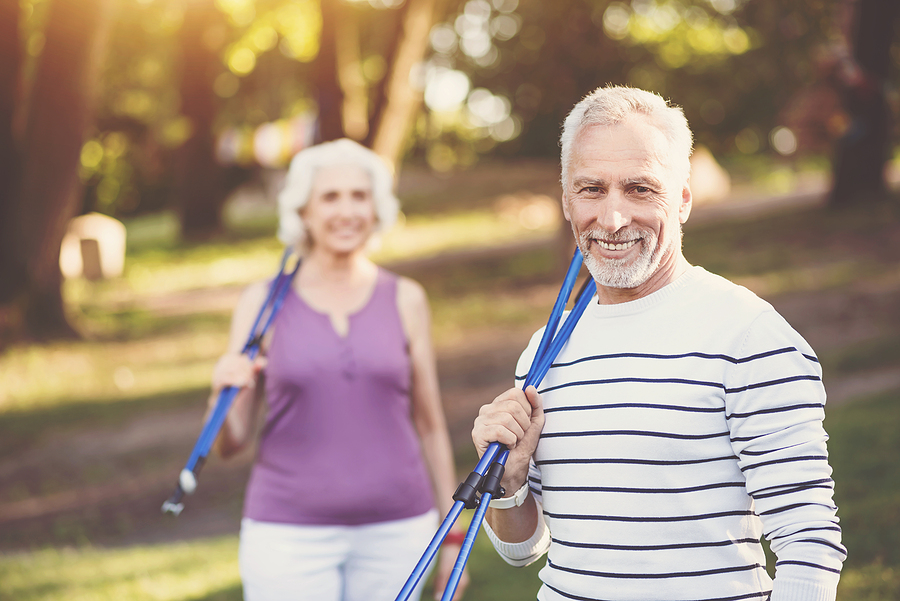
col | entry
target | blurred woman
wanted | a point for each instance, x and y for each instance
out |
(354, 454)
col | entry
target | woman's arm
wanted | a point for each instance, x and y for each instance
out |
(427, 412)
(235, 369)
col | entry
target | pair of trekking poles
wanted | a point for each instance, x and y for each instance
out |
(187, 479)
(482, 484)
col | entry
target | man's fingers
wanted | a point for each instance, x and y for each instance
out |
(537, 404)
(505, 420)
(509, 434)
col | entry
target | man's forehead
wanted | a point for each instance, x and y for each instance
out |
(619, 166)
(629, 149)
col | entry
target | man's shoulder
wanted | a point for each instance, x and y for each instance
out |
(714, 290)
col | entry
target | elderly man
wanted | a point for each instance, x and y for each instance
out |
(681, 422)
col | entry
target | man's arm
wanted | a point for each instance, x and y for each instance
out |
(515, 419)
(775, 407)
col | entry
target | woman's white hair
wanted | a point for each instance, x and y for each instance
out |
(609, 105)
(302, 172)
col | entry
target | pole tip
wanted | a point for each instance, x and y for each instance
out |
(172, 508)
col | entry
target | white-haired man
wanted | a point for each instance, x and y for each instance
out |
(681, 422)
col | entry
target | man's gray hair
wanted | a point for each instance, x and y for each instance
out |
(302, 172)
(609, 105)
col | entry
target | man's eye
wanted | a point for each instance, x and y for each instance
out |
(590, 190)
(642, 189)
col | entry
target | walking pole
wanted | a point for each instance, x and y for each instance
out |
(187, 479)
(491, 487)
(485, 478)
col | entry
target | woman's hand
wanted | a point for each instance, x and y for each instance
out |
(236, 369)
(446, 561)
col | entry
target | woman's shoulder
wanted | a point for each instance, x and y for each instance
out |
(252, 297)
(412, 304)
(409, 291)
(257, 291)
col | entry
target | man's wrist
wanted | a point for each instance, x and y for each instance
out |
(517, 499)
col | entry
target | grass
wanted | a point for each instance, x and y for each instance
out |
(863, 449)
(143, 357)
(193, 571)
(204, 570)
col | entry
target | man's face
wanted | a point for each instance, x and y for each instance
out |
(626, 203)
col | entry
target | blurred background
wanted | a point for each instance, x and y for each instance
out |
(143, 142)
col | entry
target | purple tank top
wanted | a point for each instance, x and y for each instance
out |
(338, 446)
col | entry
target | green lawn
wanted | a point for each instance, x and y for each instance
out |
(864, 448)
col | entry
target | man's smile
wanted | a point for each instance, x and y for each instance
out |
(617, 245)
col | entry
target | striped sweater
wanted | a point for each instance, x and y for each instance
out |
(680, 428)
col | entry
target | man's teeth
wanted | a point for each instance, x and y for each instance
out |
(620, 246)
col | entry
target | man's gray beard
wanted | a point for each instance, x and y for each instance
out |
(618, 273)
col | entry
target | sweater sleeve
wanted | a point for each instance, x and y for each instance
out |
(526, 552)
(775, 405)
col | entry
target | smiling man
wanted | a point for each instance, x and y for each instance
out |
(681, 422)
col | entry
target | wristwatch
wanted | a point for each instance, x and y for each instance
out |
(514, 501)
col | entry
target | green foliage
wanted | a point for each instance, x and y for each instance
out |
(735, 67)
(739, 69)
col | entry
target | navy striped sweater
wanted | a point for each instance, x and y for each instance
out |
(680, 428)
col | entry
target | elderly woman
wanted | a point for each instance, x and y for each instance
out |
(354, 452)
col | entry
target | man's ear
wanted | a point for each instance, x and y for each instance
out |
(684, 209)
(565, 207)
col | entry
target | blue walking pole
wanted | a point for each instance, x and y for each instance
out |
(187, 479)
(485, 478)
(539, 369)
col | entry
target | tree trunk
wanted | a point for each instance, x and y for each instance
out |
(862, 152)
(329, 96)
(199, 179)
(49, 192)
(402, 100)
(355, 110)
(10, 69)
(379, 98)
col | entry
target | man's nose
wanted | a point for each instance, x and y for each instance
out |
(613, 213)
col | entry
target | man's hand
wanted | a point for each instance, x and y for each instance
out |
(515, 418)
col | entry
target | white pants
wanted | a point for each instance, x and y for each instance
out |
(287, 562)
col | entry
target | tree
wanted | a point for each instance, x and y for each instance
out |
(199, 191)
(862, 153)
(44, 193)
(329, 93)
(10, 68)
(399, 100)
(380, 115)
(396, 102)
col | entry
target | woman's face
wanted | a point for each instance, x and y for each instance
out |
(340, 215)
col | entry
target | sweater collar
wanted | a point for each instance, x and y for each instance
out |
(640, 305)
